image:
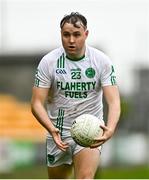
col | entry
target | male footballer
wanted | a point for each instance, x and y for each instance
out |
(71, 80)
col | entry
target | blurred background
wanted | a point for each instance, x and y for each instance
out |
(28, 30)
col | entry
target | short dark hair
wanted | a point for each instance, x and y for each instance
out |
(74, 18)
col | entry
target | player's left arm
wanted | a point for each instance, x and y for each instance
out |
(112, 97)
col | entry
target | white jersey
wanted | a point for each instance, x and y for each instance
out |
(75, 87)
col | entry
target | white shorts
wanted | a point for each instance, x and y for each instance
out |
(56, 157)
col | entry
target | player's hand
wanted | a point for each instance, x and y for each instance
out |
(57, 138)
(107, 134)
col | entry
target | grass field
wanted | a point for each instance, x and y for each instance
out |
(40, 172)
(124, 173)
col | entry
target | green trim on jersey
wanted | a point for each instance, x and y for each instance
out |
(60, 118)
(61, 61)
(75, 59)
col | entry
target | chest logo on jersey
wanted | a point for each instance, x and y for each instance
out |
(90, 72)
(61, 71)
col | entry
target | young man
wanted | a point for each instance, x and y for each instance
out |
(70, 81)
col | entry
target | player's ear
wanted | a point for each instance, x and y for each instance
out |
(86, 33)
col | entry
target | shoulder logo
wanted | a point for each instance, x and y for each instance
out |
(113, 77)
(37, 80)
(90, 72)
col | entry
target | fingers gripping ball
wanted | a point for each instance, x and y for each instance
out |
(85, 129)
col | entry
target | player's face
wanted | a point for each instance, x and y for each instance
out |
(73, 40)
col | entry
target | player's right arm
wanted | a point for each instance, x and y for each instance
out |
(39, 96)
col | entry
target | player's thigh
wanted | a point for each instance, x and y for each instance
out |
(60, 172)
(86, 163)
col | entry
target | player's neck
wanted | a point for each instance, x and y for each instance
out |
(75, 58)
